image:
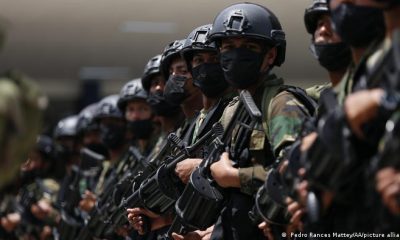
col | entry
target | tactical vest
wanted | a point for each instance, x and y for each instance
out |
(271, 88)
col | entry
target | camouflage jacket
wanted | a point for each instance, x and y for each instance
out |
(315, 91)
(21, 108)
(282, 122)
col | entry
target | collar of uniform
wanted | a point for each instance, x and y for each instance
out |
(272, 80)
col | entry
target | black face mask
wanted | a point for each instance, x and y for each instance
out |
(64, 153)
(27, 177)
(160, 106)
(209, 77)
(357, 25)
(141, 129)
(241, 67)
(174, 91)
(112, 136)
(332, 56)
(98, 148)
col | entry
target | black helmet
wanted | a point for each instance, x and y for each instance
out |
(197, 40)
(152, 68)
(86, 119)
(170, 52)
(250, 20)
(45, 146)
(131, 91)
(66, 127)
(107, 107)
(312, 14)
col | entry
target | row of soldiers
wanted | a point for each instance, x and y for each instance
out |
(210, 144)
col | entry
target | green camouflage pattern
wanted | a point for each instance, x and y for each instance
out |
(345, 86)
(315, 91)
(21, 109)
(286, 115)
(281, 124)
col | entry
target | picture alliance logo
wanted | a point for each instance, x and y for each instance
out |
(342, 235)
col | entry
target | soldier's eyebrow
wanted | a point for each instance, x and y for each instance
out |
(197, 54)
(227, 41)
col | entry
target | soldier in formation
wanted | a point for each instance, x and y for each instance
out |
(211, 144)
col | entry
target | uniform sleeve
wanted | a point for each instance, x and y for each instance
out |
(251, 178)
(285, 117)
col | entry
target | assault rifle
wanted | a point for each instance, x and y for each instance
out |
(159, 192)
(202, 200)
(71, 217)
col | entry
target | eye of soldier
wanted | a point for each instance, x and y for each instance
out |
(155, 82)
(214, 58)
(226, 46)
(181, 70)
(253, 46)
(197, 60)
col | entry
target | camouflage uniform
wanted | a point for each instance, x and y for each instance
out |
(21, 105)
(384, 221)
(349, 210)
(281, 124)
(40, 190)
(315, 91)
(282, 117)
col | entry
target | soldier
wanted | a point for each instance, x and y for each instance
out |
(66, 137)
(153, 82)
(168, 115)
(113, 136)
(251, 42)
(179, 89)
(359, 35)
(22, 105)
(203, 63)
(35, 212)
(133, 104)
(331, 52)
(360, 25)
(377, 104)
(89, 131)
(388, 178)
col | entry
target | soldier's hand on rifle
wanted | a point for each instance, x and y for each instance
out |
(11, 221)
(136, 221)
(360, 107)
(41, 209)
(302, 188)
(122, 231)
(46, 233)
(88, 201)
(297, 211)
(189, 236)
(388, 185)
(307, 141)
(224, 173)
(266, 229)
(185, 168)
(196, 235)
